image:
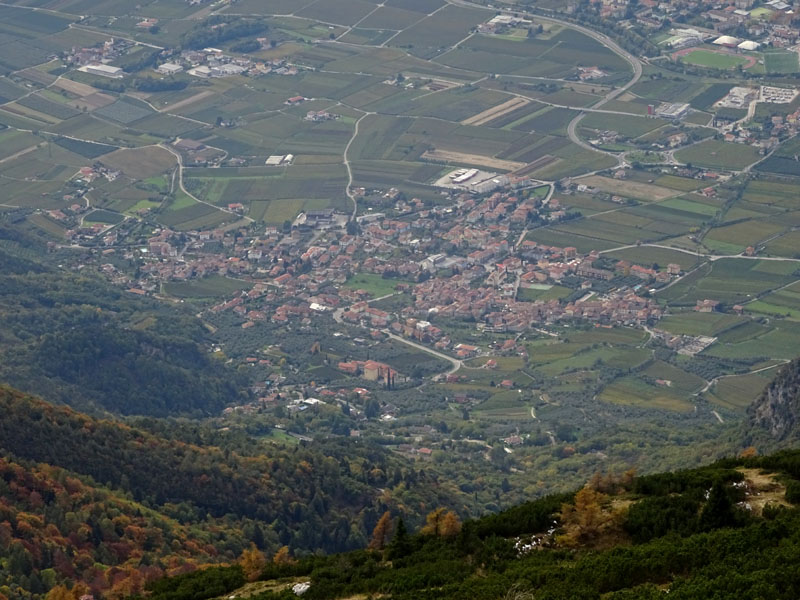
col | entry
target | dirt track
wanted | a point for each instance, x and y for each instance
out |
(472, 159)
(496, 111)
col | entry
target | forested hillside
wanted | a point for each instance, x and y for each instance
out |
(730, 530)
(56, 527)
(75, 339)
(224, 496)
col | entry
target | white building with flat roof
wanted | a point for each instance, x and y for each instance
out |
(169, 68)
(105, 71)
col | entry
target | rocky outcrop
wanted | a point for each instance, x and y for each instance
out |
(776, 411)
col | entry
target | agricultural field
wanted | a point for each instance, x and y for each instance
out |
(627, 126)
(634, 392)
(735, 238)
(719, 155)
(737, 392)
(711, 94)
(783, 161)
(782, 302)
(213, 286)
(470, 120)
(705, 324)
(772, 193)
(648, 256)
(630, 189)
(731, 281)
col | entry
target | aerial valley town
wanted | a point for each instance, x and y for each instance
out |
(399, 299)
(461, 229)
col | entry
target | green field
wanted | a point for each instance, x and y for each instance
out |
(731, 281)
(715, 60)
(214, 286)
(635, 392)
(719, 155)
(781, 61)
(543, 292)
(744, 234)
(695, 323)
(631, 127)
(738, 392)
(103, 216)
(376, 285)
(649, 256)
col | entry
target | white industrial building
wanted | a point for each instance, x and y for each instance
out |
(279, 159)
(169, 68)
(672, 110)
(105, 71)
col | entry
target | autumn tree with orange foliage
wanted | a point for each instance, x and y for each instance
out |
(283, 557)
(60, 592)
(253, 562)
(749, 452)
(591, 520)
(381, 533)
(442, 523)
(612, 483)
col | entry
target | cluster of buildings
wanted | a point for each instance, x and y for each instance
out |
(468, 261)
(748, 24)
(96, 60)
(213, 62)
(370, 370)
(502, 24)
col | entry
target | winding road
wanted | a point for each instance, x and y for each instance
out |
(603, 39)
(457, 364)
(349, 189)
(179, 158)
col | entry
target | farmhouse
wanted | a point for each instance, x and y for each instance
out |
(707, 306)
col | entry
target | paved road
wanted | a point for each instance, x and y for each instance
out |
(457, 364)
(710, 383)
(710, 257)
(179, 158)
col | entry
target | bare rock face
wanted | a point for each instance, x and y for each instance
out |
(776, 411)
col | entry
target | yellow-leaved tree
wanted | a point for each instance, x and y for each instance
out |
(252, 562)
(60, 592)
(441, 522)
(381, 533)
(282, 557)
